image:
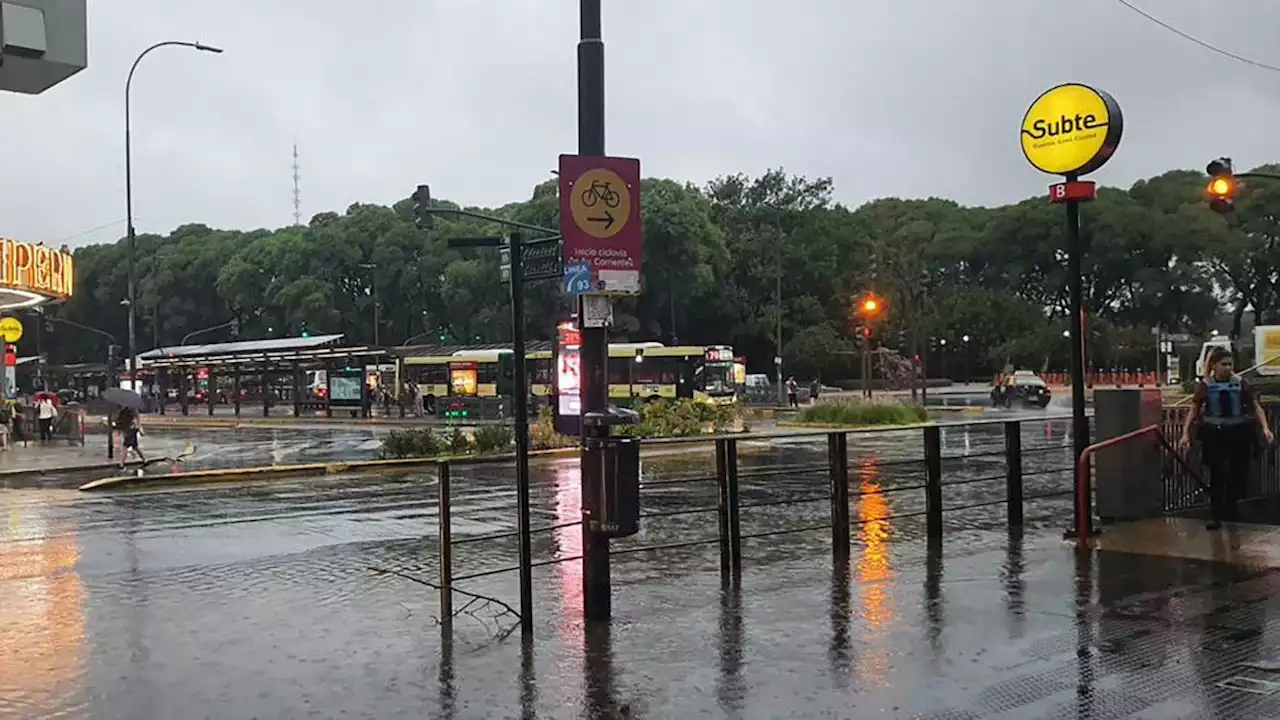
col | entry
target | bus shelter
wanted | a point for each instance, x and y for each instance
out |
(284, 376)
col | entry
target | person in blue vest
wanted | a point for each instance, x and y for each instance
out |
(1228, 416)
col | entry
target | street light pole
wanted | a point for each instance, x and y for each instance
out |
(128, 196)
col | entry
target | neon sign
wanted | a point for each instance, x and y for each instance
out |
(36, 269)
(568, 370)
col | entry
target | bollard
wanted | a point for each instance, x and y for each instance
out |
(1013, 472)
(735, 525)
(933, 480)
(838, 472)
(444, 531)
(722, 506)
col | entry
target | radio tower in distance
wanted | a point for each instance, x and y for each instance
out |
(297, 189)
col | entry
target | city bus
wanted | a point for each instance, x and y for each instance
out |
(638, 372)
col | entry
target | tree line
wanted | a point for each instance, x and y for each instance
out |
(723, 264)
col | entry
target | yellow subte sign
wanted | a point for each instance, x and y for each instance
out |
(10, 329)
(1071, 130)
(601, 203)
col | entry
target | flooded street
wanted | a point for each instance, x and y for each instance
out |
(258, 600)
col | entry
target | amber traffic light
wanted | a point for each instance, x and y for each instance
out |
(1222, 186)
(870, 306)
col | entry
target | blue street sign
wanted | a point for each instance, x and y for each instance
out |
(577, 279)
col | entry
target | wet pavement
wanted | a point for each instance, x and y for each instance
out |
(258, 601)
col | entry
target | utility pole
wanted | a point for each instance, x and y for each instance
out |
(596, 600)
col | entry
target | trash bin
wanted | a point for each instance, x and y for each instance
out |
(614, 504)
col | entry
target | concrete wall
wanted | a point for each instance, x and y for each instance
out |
(24, 68)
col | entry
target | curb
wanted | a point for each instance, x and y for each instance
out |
(87, 467)
(834, 426)
(326, 468)
(269, 472)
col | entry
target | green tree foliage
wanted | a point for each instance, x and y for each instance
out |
(726, 263)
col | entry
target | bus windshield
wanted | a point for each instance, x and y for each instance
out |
(717, 378)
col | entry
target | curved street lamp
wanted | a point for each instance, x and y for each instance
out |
(128, 193)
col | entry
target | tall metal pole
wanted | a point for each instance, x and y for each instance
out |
(594, 352)
(1075, 290)
(128, 198)
(377, 310)
(782, 396)
(521, 389)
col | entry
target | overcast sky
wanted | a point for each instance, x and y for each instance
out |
(477, 98)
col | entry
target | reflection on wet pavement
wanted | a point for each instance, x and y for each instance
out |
(256, 601)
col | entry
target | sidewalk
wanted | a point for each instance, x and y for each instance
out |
(59, 456)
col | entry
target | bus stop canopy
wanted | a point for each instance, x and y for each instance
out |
(312, 350)
(412, 351)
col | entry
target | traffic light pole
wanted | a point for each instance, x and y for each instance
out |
(1079, 420)
(594, 352)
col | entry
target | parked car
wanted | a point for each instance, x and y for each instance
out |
(1024, 388)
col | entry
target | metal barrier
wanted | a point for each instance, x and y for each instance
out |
(1184, 472)
(830, 483)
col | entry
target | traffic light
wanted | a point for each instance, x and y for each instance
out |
(304, 332)
(870, 306)
(422, 217)
(506, 374)
(1222, 186)
(235, 327)
(113, 357)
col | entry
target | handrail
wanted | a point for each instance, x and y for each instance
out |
(1084, 513)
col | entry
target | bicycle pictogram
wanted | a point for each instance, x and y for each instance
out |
(601, 191)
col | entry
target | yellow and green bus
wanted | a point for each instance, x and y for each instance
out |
(638, 372)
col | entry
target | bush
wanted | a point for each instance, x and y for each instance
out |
(494, 439)
(458, 443)
(412, 443)
(682, 418)
(543, 435)
(863, 415)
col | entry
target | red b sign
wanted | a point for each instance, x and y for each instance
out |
(1075, 191)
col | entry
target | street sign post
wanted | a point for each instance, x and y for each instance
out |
(600, 222)
(1072, 130)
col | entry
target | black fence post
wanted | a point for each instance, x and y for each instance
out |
(1013, 472)
(722, 505)
(444, 531)
(735, 525)
(933, 480)
(838, 471)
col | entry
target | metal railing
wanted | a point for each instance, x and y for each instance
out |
(1185, 474)
(824, 488)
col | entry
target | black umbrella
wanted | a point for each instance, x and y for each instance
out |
(123, 397)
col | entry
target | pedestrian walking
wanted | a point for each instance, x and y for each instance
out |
(130, 426)
(46, 413)
(1226, 418)
(793, 392)
(815, 389)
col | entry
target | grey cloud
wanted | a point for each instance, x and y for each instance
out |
(477, 97)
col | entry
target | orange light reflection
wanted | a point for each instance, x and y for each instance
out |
(42, 619)
(873, 572)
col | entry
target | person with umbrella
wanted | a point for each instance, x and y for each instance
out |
(46, 413)
(128, 420)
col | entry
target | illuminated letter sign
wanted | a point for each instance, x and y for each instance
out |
(36, 269)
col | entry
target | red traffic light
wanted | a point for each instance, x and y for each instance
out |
(866, 332)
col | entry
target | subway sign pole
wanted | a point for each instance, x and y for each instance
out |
(1072, 130)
